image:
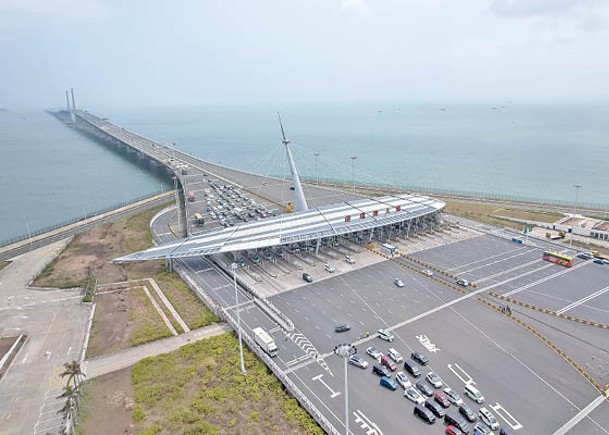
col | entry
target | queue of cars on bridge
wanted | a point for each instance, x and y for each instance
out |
(432, 399)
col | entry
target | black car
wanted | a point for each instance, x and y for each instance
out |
(424, 389)
(420, 358)
(412, 368)
(467, 412)
(381, 370)
(424, 414)
(307, 277)
(435, 407)
(343, 327)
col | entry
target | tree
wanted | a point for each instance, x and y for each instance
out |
(73, 371)
(69, 410)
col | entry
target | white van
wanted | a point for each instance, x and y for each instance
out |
(473, 393)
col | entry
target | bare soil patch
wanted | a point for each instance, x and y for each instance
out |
(530, 215)
(479, 212)
(108, 405)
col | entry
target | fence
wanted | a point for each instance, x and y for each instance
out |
(39, 231)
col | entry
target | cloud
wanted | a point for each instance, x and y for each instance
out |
(360, 7)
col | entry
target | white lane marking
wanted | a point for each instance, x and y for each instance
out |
(580, 415)
(583, 300)
(498, 261)
(318, 378)
(69, 350)
(365, 423)
(539, 281)
(467, 381)
(25, 358)
(502, 412)
(503, 272)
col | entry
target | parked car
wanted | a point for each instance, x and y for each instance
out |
(504, 431)
(403, 380)
(467, 412)
(343, 327)
(329, 268)
(395, 355)
(453, 397)
(482, 429)
(349, 259)
(307, 277)
(599, 261)
(473, 393)
(424, 388)
(427, 272)
(381, 370)
(388, 362)
(435, 407)
(488, 418)
(412, 368)
(456, 420)
(398, 282)
(387, 382)
(413, 395)
(424, 414)
(453, 430)
(420, 358)
(463, 282)
(434, 380)
(441, 398)
(385, 334)
(358, 361)
(374, 353)
(585, 256)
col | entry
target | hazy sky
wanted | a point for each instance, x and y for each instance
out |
(198, 52)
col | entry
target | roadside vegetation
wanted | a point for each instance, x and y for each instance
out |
(145, 322)
(488, 213)
(3, 264)
(591, 246)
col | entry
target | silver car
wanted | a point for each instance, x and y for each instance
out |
(453, 397)
(403, 380)
(414, 396)
(434, 380)
(358, 361)
(385, 334)
(374, 353)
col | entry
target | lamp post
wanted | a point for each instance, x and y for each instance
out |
(344, 351)
(177, 195)
(316, 167)
(577, 187)
(353, 171)
(234, 267)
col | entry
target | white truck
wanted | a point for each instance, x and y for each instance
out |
(265, 341)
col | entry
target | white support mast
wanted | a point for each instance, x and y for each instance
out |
(300, 204)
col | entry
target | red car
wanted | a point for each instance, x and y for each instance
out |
(452, 430)
(388, 362)
(441, 398)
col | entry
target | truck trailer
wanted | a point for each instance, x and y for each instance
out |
(265, 341)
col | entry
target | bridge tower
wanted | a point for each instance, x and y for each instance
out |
(73, 105)
(67, 101)
(301, 201)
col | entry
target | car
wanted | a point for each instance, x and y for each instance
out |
(395, 355)
(388, 362)
(413, 395)
(435, 407)
(434, 380)
(424, 414)
(463, 282)
(424, 388)
(474, 394)
(403, 380)
(412, 368)
(453, 430)
(329, 268)
(504, 431)
(441, 398)
(482, 429)
(456, 420)
(307, 277)
(374, 353)
(585, 256)
(488, 418)
(387, 382)
(343, 327)
(599, 261)
(267, 255)
(358, 361)
(349, 259)
(467, 412)
(453, 397)
(427, 272)
(385, 334)
(420, 358)
(398, 282)
(242, 262)
(381, 370)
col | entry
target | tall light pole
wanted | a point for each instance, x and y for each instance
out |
(353, 171)
(316, 167)
(344, 351)
(234, 267)
(577, 187)
(177, 195)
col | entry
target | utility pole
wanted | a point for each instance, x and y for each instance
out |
(316, 167)
(344, 351)
(353, 171)
(577, 187)
(177, 195)
(234, 267)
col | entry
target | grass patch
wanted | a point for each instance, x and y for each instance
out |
(146, 322)
(199, 389)
(3, 264)
(537, 216)
(479, 212)
(591, 246)
(186, 303)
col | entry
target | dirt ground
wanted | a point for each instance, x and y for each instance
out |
(529, 215)
(108, 405)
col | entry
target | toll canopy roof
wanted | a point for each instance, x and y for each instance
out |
(327, 221)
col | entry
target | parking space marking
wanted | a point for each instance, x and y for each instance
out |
(583, 300)
(365, 423)
(469, 380)
(319, 378)
(580, 415)
(510, 420)
(539, 281)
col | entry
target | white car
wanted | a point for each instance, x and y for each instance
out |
(434, 380)
(403, 380)
(385, 334)
(463, 282)
(349, 259)
(453, 397)
(488, 418)
(398, 282)
(414, 396)
(329, 268)
(374, 353)
(395, 355)
(427, 272)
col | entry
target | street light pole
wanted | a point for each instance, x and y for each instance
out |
(353, 171)
(316, 167)
(234, 267)
(344, 351)
(177, 195)
(577, 187)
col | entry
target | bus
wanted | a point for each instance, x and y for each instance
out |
(199, 221)
(388, 249)
(557, 258)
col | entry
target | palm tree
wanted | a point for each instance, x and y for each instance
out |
(73, 371)
(69, 410)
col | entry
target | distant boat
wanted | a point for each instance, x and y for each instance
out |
(379, 111)
(443, 109)
(494, 108)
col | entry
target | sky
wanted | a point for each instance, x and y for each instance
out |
(207, 52)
